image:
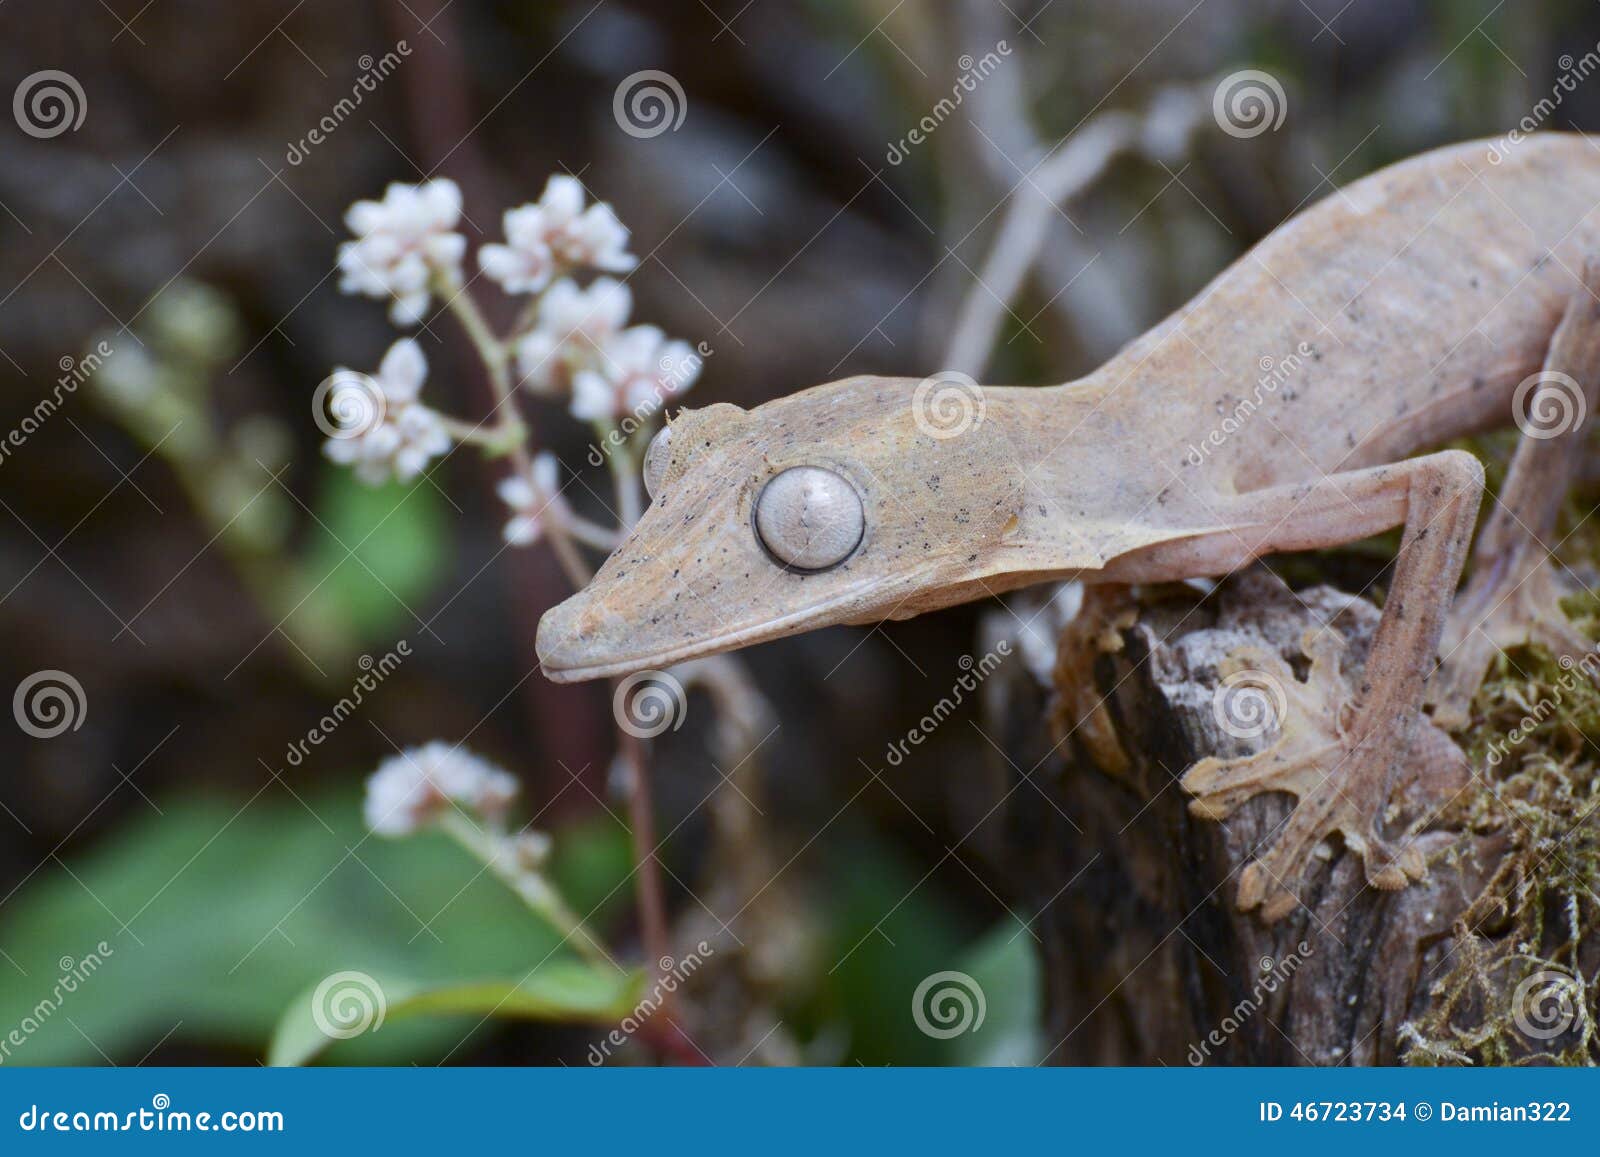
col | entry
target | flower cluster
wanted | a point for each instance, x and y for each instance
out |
(381, 429)
(553, 235)
(411, 790)
(406, 247)
(572, 343)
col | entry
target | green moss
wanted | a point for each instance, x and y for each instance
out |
(1522, 957)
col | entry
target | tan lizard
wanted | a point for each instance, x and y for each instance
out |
(1410, 308)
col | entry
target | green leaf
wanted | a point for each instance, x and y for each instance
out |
(377, 552)
(1005, 967)
(559, 991)
(217, 913)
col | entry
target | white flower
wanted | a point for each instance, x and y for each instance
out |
(524, 264)
(402, 242)
(533, 497)
(382, 429)
(553, 234)
(129, 376)
(532, 850)
(638, 371)
(411, 790)
(573, 327)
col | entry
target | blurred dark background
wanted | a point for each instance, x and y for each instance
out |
(170, 824)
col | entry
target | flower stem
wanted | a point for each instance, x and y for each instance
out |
(509, 433)
(496, 853)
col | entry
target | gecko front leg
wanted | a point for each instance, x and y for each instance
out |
(1343, 763)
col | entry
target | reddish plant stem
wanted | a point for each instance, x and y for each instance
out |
(653, 932)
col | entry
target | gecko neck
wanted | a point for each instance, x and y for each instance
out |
(1091, 467)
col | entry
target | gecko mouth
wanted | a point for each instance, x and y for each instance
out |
(568, 654)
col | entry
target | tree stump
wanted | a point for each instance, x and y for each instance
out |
(1146, 958)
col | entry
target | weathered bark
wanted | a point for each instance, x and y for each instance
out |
(1146, 958)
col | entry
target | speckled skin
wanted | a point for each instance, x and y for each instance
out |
(1397, 314)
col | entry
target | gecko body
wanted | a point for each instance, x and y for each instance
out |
(1287, 407)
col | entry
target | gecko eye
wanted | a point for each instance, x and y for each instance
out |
(655, 462)
(809, 518)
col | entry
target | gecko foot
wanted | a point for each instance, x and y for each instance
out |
(1515, 602)
(1341, 779)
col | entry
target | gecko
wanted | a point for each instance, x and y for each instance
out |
(1445, 295)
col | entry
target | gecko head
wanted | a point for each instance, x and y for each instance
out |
(853, 502)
